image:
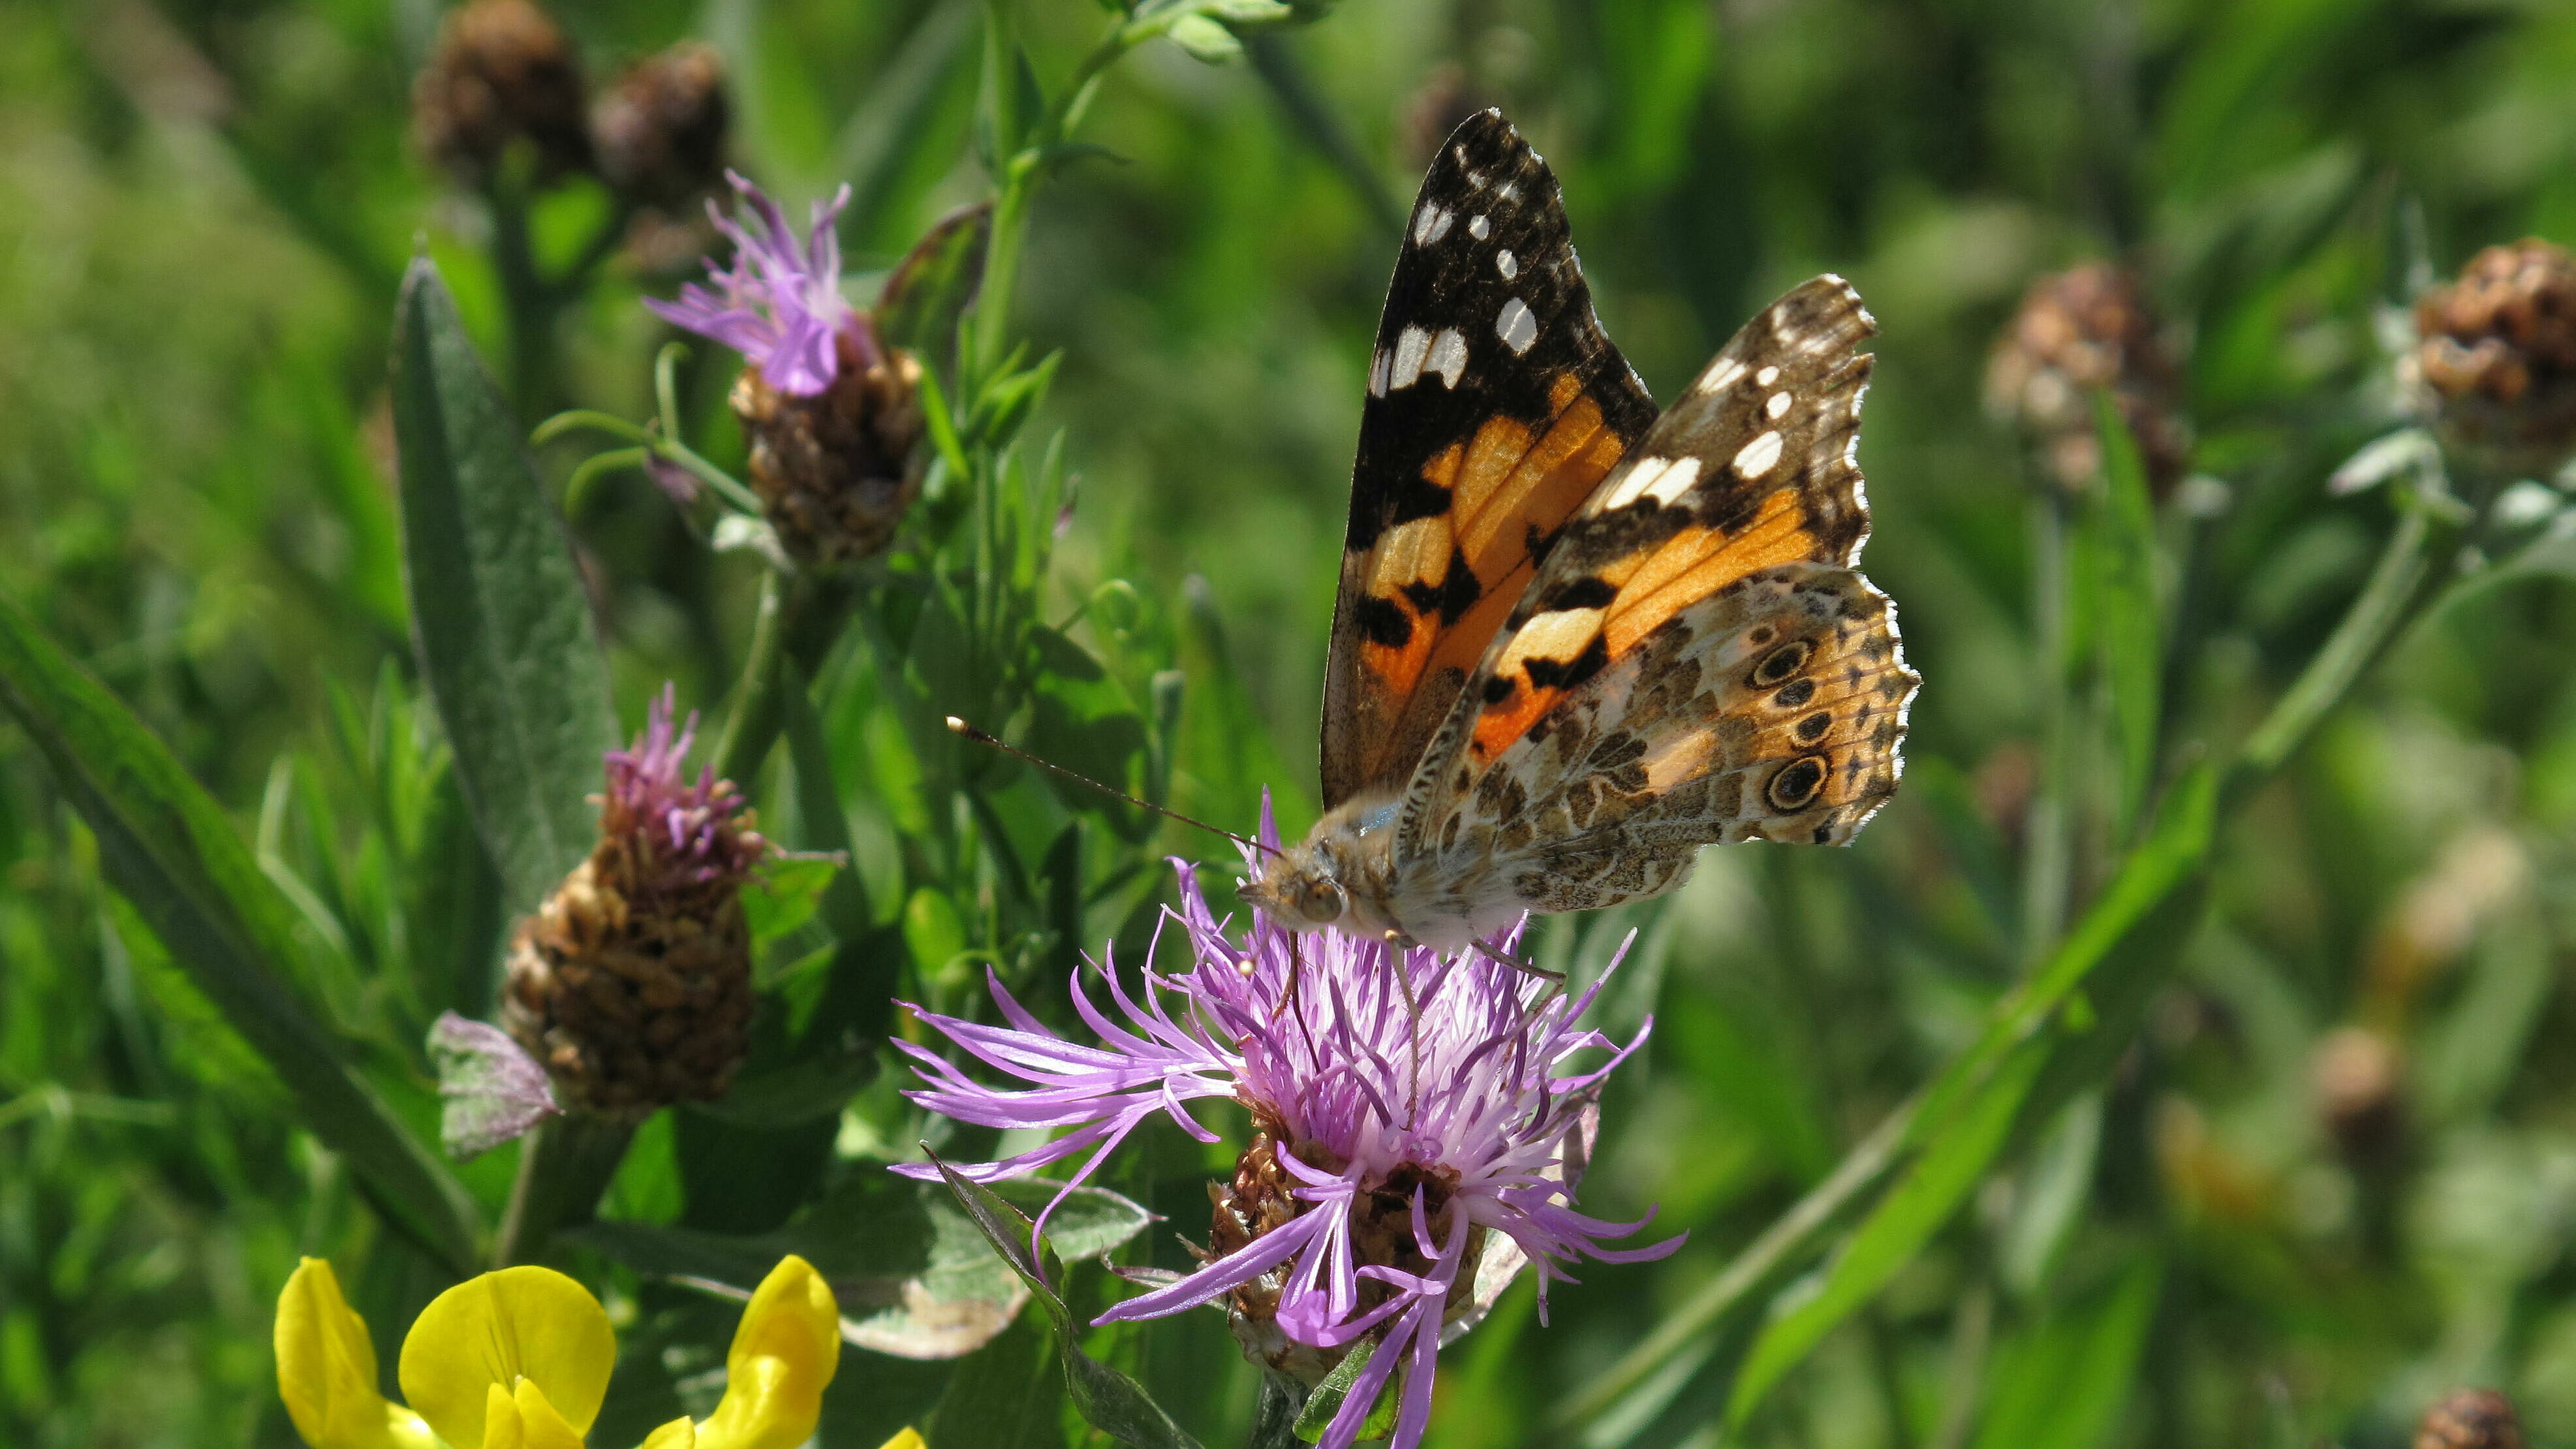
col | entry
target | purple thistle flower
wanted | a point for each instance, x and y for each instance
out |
(781, 305)
(1417, 1113)
(690, 834)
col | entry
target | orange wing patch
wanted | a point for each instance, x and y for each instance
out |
(1439, 588)
(1586, 625)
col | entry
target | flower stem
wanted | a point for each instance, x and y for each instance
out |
(564, 1167)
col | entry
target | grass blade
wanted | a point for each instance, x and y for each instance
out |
(168, 847)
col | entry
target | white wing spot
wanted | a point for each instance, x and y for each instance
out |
(1378, 373)
(1509, 192)
(1778, 407)
(1412, 345)
(1758, 456)
(1509, 265)
(1430, 224)
(1448, 357)
(1766, 377)
(1517, 326)
(1557, 634)
(1662, 479)
(1478, 227)
(1721, 375)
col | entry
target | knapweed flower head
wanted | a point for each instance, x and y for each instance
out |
(504, 74)
(780, 303)
(1414, 1113)
(2088, 330)
(2495, 362)
(632, 982)
(832, 415)
(521, 1358)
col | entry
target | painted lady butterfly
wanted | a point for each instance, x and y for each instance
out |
(1577, 640)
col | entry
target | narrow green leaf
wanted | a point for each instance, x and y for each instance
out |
(1895, 1230)
(2127, 618)
(499, 617)
(168, 848)
(1110, 1401)
(846, 908)
(2063, 1385)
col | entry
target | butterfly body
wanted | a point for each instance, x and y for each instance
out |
(1577, 639)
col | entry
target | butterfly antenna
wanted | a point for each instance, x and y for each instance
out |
(961, 727)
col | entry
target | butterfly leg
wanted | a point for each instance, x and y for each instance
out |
(1397, 941)
(1526, 968)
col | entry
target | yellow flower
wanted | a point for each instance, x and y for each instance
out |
(519, 1359)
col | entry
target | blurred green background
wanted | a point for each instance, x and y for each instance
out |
(2333, 1176)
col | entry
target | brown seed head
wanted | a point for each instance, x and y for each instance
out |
(2080, 331)
(835, 472)
(2497, 360)
(660, 132)
(2470, 1419)
(503, 72)
(2359, 1086)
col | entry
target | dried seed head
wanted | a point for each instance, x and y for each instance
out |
(632, 983)
(503, 73)
(2471, 1419)
(835, 471)
(2360, 1093)
(660, 132)
(2080, 331)
(2497, 360)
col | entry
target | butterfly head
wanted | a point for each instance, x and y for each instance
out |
(1327, 879)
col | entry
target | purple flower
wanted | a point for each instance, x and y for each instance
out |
(689, 834)
(1416, 1113)
(781, 306)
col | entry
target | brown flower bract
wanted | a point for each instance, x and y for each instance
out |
(2083, 330)
(503, 72)
(835, 472)
(2498, 355)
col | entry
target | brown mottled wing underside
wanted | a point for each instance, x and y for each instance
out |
(1495, 407)
(1696, 660)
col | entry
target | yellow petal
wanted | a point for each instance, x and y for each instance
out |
(493, 1331)
(680, 1433)
(908, 1439)
(783, 1354)
(326, 1369)
(502, 1426)
(520, 1418)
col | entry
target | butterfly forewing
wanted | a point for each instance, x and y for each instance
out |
(1495, 407)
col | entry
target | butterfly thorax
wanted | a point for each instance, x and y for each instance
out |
(1341, 875)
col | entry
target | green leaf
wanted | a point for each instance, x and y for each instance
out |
(167, 847)
(935, 283)
(2062, 1385)
(1206, 40)
(1326, 1400)
(498, 613)
(2128, 623)
(912, 1270)
(1904, 1220)
(1007, 1395)
(1108, 1400)
(818, 807)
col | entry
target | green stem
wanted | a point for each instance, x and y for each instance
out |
(565, 1166)
(799, 620)
(2048, 827)
(2402, 583)
(755, 696)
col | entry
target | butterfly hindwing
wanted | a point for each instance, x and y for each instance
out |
(1495, 407)
(1772, 709)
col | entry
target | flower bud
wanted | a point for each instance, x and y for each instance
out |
(835, 470)
(503, 72)
(2497, 360)
(660, 132)
(2085, 330)
(2470, 1419)
(632, 983)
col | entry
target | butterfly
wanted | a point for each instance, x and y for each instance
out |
(1576, 639)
